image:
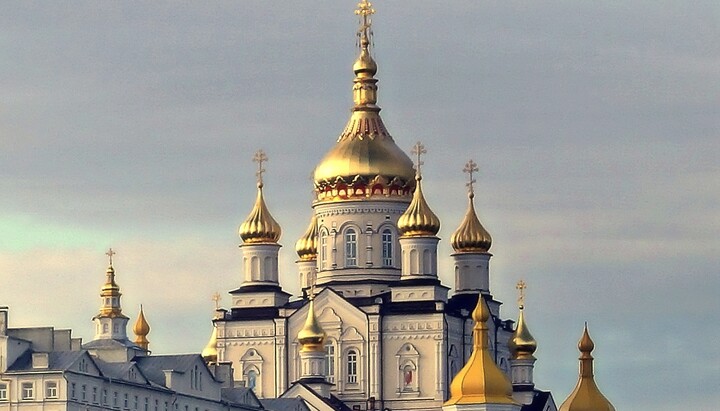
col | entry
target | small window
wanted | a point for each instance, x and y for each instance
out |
(3, 391)
(252, 379)
(27, 391)
(83, 392)
(323, 250)
(135, 402)
(125, 401)
(115, 399)
(72, 391)
(350, 248)
(352, 367)
(330, 363)
(156, 405)
(147, 405)
(94, 397)
(387, 247)
(51, 389)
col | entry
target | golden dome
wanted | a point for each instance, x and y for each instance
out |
(418, 219)
(365, 162)
(260, 226)
(586, 396)
(312, 336)
(521, 343)
(209, 353)
(471, 236)
(480, 381)
(141, 330)
(306, 247)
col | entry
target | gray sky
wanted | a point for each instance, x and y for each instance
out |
(595, 124)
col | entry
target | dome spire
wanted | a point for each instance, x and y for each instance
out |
(418, 219)
(312, 337)
(586, 396)
(480, 381)
(522, 344)
(365, 66)
(141, 330)
(260, 226)
(471, 236)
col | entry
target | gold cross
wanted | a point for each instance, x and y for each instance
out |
(521, 289)
(418, 150)
(216, 298)
(470, 168)
(260, 157)
(110, 253)
(364, 10)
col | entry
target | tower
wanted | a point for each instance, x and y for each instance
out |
(471, 243)
(260, 234)
(522, 346)
(586, 396)
(306, 248)
(312, 353)
(362, 185)
(480, 385)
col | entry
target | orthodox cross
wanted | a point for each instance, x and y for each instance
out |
(418, 150)
(216, 298)
(260, 157)
(364, 10)
(110, 253)
(470, 168)
(521, 289)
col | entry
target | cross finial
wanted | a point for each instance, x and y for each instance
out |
(470, 168)
(260, 157)
(216, 298)
(521, 286)
(110, 253)
(365, 10)
(418, 150)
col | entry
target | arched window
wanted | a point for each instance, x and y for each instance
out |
(407, 381)
(252, 379)
(387, 247)
(105, 328)
(352, 367)
(330, 362)
(323, 250)
(350, 248)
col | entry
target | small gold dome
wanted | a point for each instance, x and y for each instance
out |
(586, 396)
(522, 344)
(480, 381)
(209, 353)
(471, 236)
(307, 246)
(312, 336)
(418, 219)
(260, 226)
(141, 330)
(365, 65)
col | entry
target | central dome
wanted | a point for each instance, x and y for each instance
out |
(365, 162)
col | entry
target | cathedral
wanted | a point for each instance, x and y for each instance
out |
(374, 328)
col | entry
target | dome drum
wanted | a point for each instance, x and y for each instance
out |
(364, 188)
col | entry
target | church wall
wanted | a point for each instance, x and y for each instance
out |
(251, 347)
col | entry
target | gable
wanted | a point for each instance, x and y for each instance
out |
(335, 315)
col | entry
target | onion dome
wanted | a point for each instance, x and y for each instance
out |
(307, 246)
(480, 381)
(141, 330)
(312, 336)
(471, 236)
(586, 396)
(522, 344)
(418, 220)
(209, 353)
(260, 226)
(365, 162)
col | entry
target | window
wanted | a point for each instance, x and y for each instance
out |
(3, 391)
(407, 378)
(387, 247)
(157, 402)
(115, 399)
(135, 402)
(350, 248)
(83, 392)
(125, 401)
(330, 362)
(27, 391)
(323, 250)
(94, 397)
(51, 389)
(105, 328)
(147, 405)
(72, 391)
(166, 406)
(252, 379)
(352, 366)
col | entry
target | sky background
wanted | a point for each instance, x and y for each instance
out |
(596, 127)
